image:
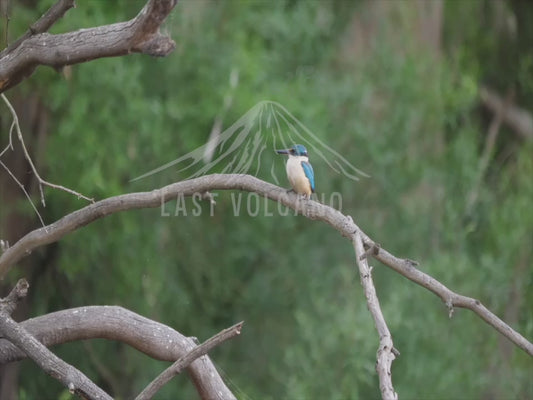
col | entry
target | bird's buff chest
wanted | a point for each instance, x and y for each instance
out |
(296, 175)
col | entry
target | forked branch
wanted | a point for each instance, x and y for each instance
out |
(40, 181)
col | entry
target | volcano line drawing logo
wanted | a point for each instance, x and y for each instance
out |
(240, 149)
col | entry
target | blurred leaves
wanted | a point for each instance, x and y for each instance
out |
(404, 112)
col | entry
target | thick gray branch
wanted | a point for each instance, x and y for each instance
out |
(116, 323)
(150, 391)
(311, 209)
(138, 35)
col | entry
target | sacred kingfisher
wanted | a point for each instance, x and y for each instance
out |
(299, 171)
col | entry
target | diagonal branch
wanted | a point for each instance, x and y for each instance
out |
(68, 375)
(150, 391)
(311, 209)
(386, 351)
(138, 35)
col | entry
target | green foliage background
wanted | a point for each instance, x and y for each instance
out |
(364, 79)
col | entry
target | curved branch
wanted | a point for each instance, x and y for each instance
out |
(311, 209)
(138, 35)
(115, 323)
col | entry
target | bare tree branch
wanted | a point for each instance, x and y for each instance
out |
(311, 209)
(72, 378)
(150, 391)
(386, 352)
(44, 23)
(138, 35)
(115, 323)
(10, 302)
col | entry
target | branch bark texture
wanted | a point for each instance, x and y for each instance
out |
(42, 24)
(138, 35)
(311, 209)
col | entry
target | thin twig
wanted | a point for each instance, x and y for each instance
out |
(24, 190)
(182, 363)
(386, 352)
(41, 181)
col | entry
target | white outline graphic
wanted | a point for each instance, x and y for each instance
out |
(267, 124)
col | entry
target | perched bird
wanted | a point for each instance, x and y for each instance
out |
(299, 171)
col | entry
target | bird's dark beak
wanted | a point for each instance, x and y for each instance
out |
(283, 151)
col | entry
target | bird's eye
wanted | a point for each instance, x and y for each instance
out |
(292, 151)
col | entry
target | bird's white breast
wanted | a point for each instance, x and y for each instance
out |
(296, 175)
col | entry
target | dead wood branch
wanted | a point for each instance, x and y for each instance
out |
(138, 35)
(44, 23)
